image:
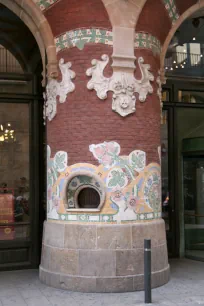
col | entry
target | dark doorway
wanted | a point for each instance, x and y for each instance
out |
(22, 187)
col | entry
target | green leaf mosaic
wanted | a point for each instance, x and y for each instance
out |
(44, 4)
(78, 38)
(172, 10)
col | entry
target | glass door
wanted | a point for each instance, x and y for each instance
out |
(193, 185)
(166, 171)
(19, 185)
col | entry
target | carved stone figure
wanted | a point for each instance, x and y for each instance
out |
(55, 89)
(123, 85)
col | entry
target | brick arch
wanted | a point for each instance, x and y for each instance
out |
(34, 19)
(191, 10)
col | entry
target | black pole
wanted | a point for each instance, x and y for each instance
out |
(147, 271)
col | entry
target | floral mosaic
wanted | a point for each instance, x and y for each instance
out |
(44, 4)
(79, 37)
(133, 189)
(172, 10)
(147, 41)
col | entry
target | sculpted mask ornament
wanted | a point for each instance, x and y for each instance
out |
(56, 89)
(123, 85)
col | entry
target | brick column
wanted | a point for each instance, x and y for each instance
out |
(94, 144)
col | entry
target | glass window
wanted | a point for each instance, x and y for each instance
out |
(165, 95)
(8, 63)
(193, 184)
(190, 96)
(14, 169)
(165, 168)
(181, 54)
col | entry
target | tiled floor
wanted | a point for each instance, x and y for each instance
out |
(186, 287)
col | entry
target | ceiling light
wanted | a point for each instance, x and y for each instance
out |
(194, 38)
(201, 55)
(171, 68)
(174, 62)
(176, 66)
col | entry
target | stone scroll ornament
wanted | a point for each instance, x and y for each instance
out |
(56, 89)
(123, 85)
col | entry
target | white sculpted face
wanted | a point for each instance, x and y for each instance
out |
(122, 83)
(124, 102)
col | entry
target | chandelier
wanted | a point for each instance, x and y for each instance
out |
(7, 133)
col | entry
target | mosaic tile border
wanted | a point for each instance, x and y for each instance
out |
(45, 4)
(104, 218)
(147, 41)
(172, 10)
(80, 37)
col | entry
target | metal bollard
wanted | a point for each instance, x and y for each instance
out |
(147, 271)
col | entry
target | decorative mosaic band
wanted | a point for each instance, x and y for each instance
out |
(105, 218)
(44, 4)
(147, 41)
(172, 10)
(79, 37)
(129, 189)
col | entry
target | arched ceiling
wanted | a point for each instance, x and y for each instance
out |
(16, 37)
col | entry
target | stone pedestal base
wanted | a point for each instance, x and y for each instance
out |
(102, 258)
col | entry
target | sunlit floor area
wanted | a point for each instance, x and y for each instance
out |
(21, 288)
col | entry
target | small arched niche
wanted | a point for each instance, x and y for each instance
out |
(84, 191)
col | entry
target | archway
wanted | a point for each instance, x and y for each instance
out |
(32, 16)
(21, 143)
(173, 30)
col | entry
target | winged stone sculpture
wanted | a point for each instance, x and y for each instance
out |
(122, 84)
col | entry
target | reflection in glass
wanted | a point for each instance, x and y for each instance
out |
(165, 170)
(190, 96)
(193, 184)
(14, 168)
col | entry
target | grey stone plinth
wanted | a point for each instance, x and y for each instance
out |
(102, 258)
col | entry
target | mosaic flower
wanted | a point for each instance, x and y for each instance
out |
(132, 202)
(117, 196)
(106, 153)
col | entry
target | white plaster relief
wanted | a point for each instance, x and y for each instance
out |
(122, 84)
(56, 89)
